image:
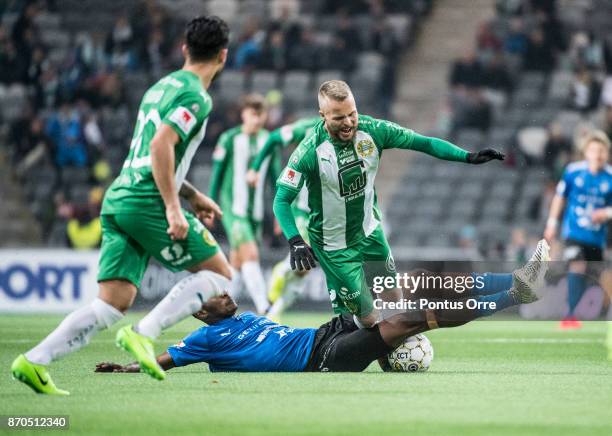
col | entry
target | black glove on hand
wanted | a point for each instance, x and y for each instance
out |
(485, 156)
(301, 255)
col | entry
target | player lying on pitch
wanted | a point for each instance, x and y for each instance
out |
(251, 343)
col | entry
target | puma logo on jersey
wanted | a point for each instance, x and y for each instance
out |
(324, 159)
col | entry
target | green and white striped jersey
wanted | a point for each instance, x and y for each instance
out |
(232, 158)
(292, 133)
(179, 100)
(340, 179)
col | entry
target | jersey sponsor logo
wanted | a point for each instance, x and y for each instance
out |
(365, 148)
(352, 179)
(291, 177)
(345, 156)
(184, 119)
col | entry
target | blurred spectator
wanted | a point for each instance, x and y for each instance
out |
(65, 129)
(558, 149)
(495, 74)
(471, 109)
(306, 53)
(585, 51)
(539, 55)
(339, 57)
(13, 66)
(516, 41)
(517, 250)
(487, 41)
(467, 71)
(30, 143)
(83, 228)
(585, 91)
(248, 50)
(274, 54)
(119, 43)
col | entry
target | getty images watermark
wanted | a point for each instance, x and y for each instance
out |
(424, 282)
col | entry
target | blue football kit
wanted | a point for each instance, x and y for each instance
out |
(585, 192)
(247, 343)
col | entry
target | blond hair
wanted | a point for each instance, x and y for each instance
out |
(594, 136)
(337, 90)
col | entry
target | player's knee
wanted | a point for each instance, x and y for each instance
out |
(119, 294)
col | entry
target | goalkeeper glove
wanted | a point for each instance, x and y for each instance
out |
(300, 254)
(485, 156)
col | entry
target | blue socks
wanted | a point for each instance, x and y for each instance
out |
(576, 284)
(492, 283)
(501, 299)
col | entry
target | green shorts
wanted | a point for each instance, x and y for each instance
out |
(349, 272)
(240, 230)
(129, 240)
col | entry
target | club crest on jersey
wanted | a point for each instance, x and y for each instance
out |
(291, 177)
(184, 119)
(365, 147)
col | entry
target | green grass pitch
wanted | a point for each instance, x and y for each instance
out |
(510, 377)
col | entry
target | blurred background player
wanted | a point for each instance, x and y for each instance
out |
(338, 163)
(285, 284)
(142, 217)
(242, 204)
(585, 192)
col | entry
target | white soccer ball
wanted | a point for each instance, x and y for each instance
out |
(415, 354)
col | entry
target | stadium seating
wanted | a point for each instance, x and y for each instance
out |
(497, 198)
(63, 33)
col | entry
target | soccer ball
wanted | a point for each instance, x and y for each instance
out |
(415, 354)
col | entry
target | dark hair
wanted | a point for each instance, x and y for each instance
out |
(254, 101)
(205, 36)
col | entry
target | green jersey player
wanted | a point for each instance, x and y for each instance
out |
(243, 205)
(142, 217)
(338, 162)
(285, 284)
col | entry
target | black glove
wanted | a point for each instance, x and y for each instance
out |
(485, 156)
(301, 255)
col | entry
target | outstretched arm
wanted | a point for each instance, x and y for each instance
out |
(164, 360)
(442, 149)
(392, 135)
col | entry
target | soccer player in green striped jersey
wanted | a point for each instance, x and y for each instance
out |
(243, 205)
(142, 217)
(286, 284)
(338, 162)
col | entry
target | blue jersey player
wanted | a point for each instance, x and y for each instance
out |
(251, 343)
(585, 192)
